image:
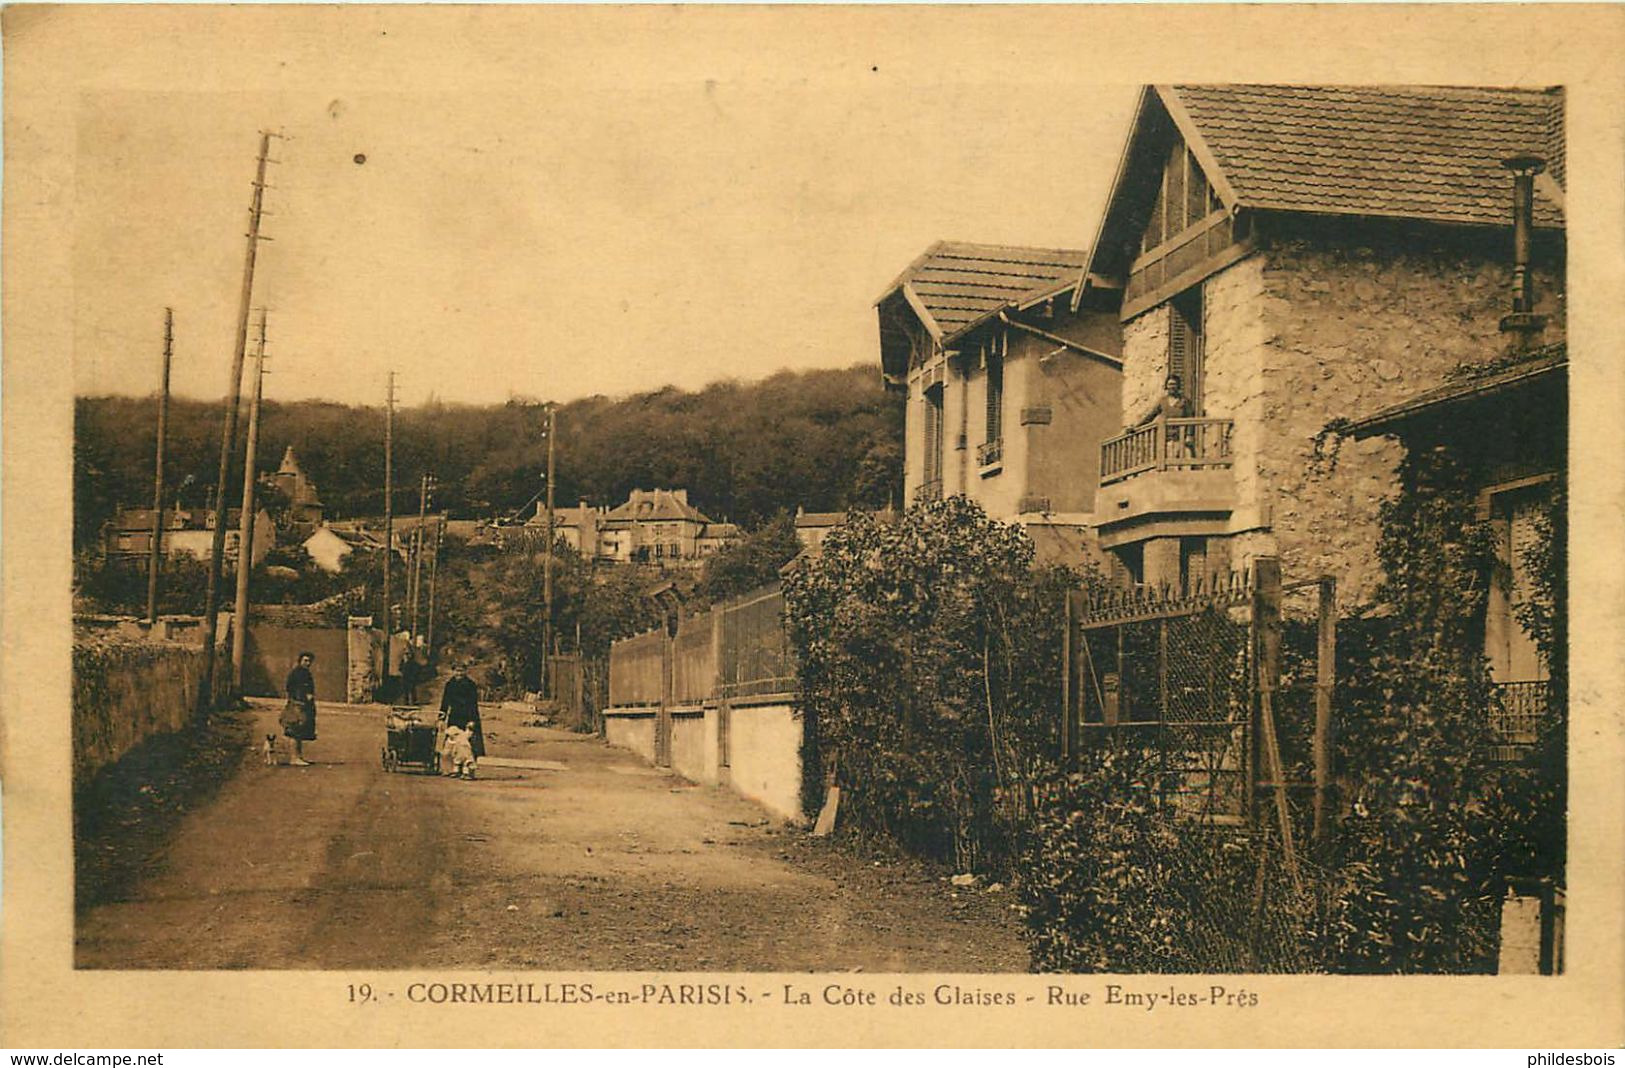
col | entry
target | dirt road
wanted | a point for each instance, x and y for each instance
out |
(571, 855)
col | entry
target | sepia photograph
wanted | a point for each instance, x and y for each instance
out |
(694, 508)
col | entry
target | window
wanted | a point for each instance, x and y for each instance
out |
(933, 434)
(994, 358)
(1185, 355)
(1512, 653)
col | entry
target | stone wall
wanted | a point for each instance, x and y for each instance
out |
(1332, 321)
(1145, 362)
(1351, 329)
(1235, 343)
(632, 729)
(126, 691)
(764, 745)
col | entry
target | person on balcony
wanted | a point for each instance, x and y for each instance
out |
(1173, 404)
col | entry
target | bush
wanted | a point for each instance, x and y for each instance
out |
(927, 651)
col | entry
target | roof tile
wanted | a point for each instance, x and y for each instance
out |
(1413, 151)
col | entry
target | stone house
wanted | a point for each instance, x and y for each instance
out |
(1013, 381)
(656, 526)
(187, 532)
(1291, 254)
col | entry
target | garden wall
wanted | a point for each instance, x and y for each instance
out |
(128, 690)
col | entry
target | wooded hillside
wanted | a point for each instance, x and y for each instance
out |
(825, 440)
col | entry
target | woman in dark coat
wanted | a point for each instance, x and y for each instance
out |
(460, 706)
(299, 715)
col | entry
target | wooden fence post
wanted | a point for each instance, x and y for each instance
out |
(1325, 679)
(1267, 624)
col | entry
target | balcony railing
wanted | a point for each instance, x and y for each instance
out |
(1517, 711)
(1167, 444)
(990, 452)
(929, 491)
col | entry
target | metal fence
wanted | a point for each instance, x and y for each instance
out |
(694, 659)
(1177, 672)
(756, 658)
(636, 670)
(1229, 680)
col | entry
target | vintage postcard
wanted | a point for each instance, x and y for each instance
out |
(854, 525)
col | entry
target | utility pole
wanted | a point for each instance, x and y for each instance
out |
(245, 542)
(434, 562)
(419, 540)
(155, 561)
(547, 563)
(389, 516)
(228, 434)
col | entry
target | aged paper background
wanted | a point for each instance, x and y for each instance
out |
(53, 55)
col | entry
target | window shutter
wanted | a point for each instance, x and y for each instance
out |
(1178, 341)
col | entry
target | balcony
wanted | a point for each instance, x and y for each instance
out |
(1169, 478)
(929, 491)
(1516, 713)
(1167, 444)
(990, 455)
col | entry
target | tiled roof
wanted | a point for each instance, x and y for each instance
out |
(1423, 152)
(1538, 365)
(185, 519)
(662, 505)
(958, 283)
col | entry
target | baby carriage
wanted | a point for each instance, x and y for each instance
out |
(409, 742)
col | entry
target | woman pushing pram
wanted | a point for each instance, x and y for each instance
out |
(462, 743)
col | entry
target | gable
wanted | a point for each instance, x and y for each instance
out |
(954, 285)
(1187, 229)
(1429, 153)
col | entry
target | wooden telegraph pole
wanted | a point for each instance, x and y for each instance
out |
(434, 562)
(547, 564)
(389, 516)
(228, 433)
(245, 542)
(419, 543)
(155, 560)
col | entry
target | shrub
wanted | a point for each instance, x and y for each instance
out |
(927, 651)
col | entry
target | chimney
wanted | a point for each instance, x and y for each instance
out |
(1522, 322)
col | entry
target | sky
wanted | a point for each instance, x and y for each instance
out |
(553, 203)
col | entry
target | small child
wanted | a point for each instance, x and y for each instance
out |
(459, 752)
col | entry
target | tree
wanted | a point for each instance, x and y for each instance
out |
(750, 563)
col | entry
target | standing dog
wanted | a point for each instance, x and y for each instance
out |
(272, 757)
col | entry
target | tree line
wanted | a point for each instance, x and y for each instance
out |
(823, 440)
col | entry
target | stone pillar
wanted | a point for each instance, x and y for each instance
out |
(362, 647)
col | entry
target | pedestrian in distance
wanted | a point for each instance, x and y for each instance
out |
(298, 717)
(460, 707)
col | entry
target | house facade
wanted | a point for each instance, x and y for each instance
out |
(1287, 255)
(128, 535)
(657, 526)
(1013, 381)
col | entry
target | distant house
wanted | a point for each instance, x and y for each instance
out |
(304, 503)
(1013, 382)
(1290, 254)
(328, 547)
(128, 535)
(813, 527)
(653, 526)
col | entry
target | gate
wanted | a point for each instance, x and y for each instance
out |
(1195, 675)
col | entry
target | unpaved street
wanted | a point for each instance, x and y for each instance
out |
(565, 854)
